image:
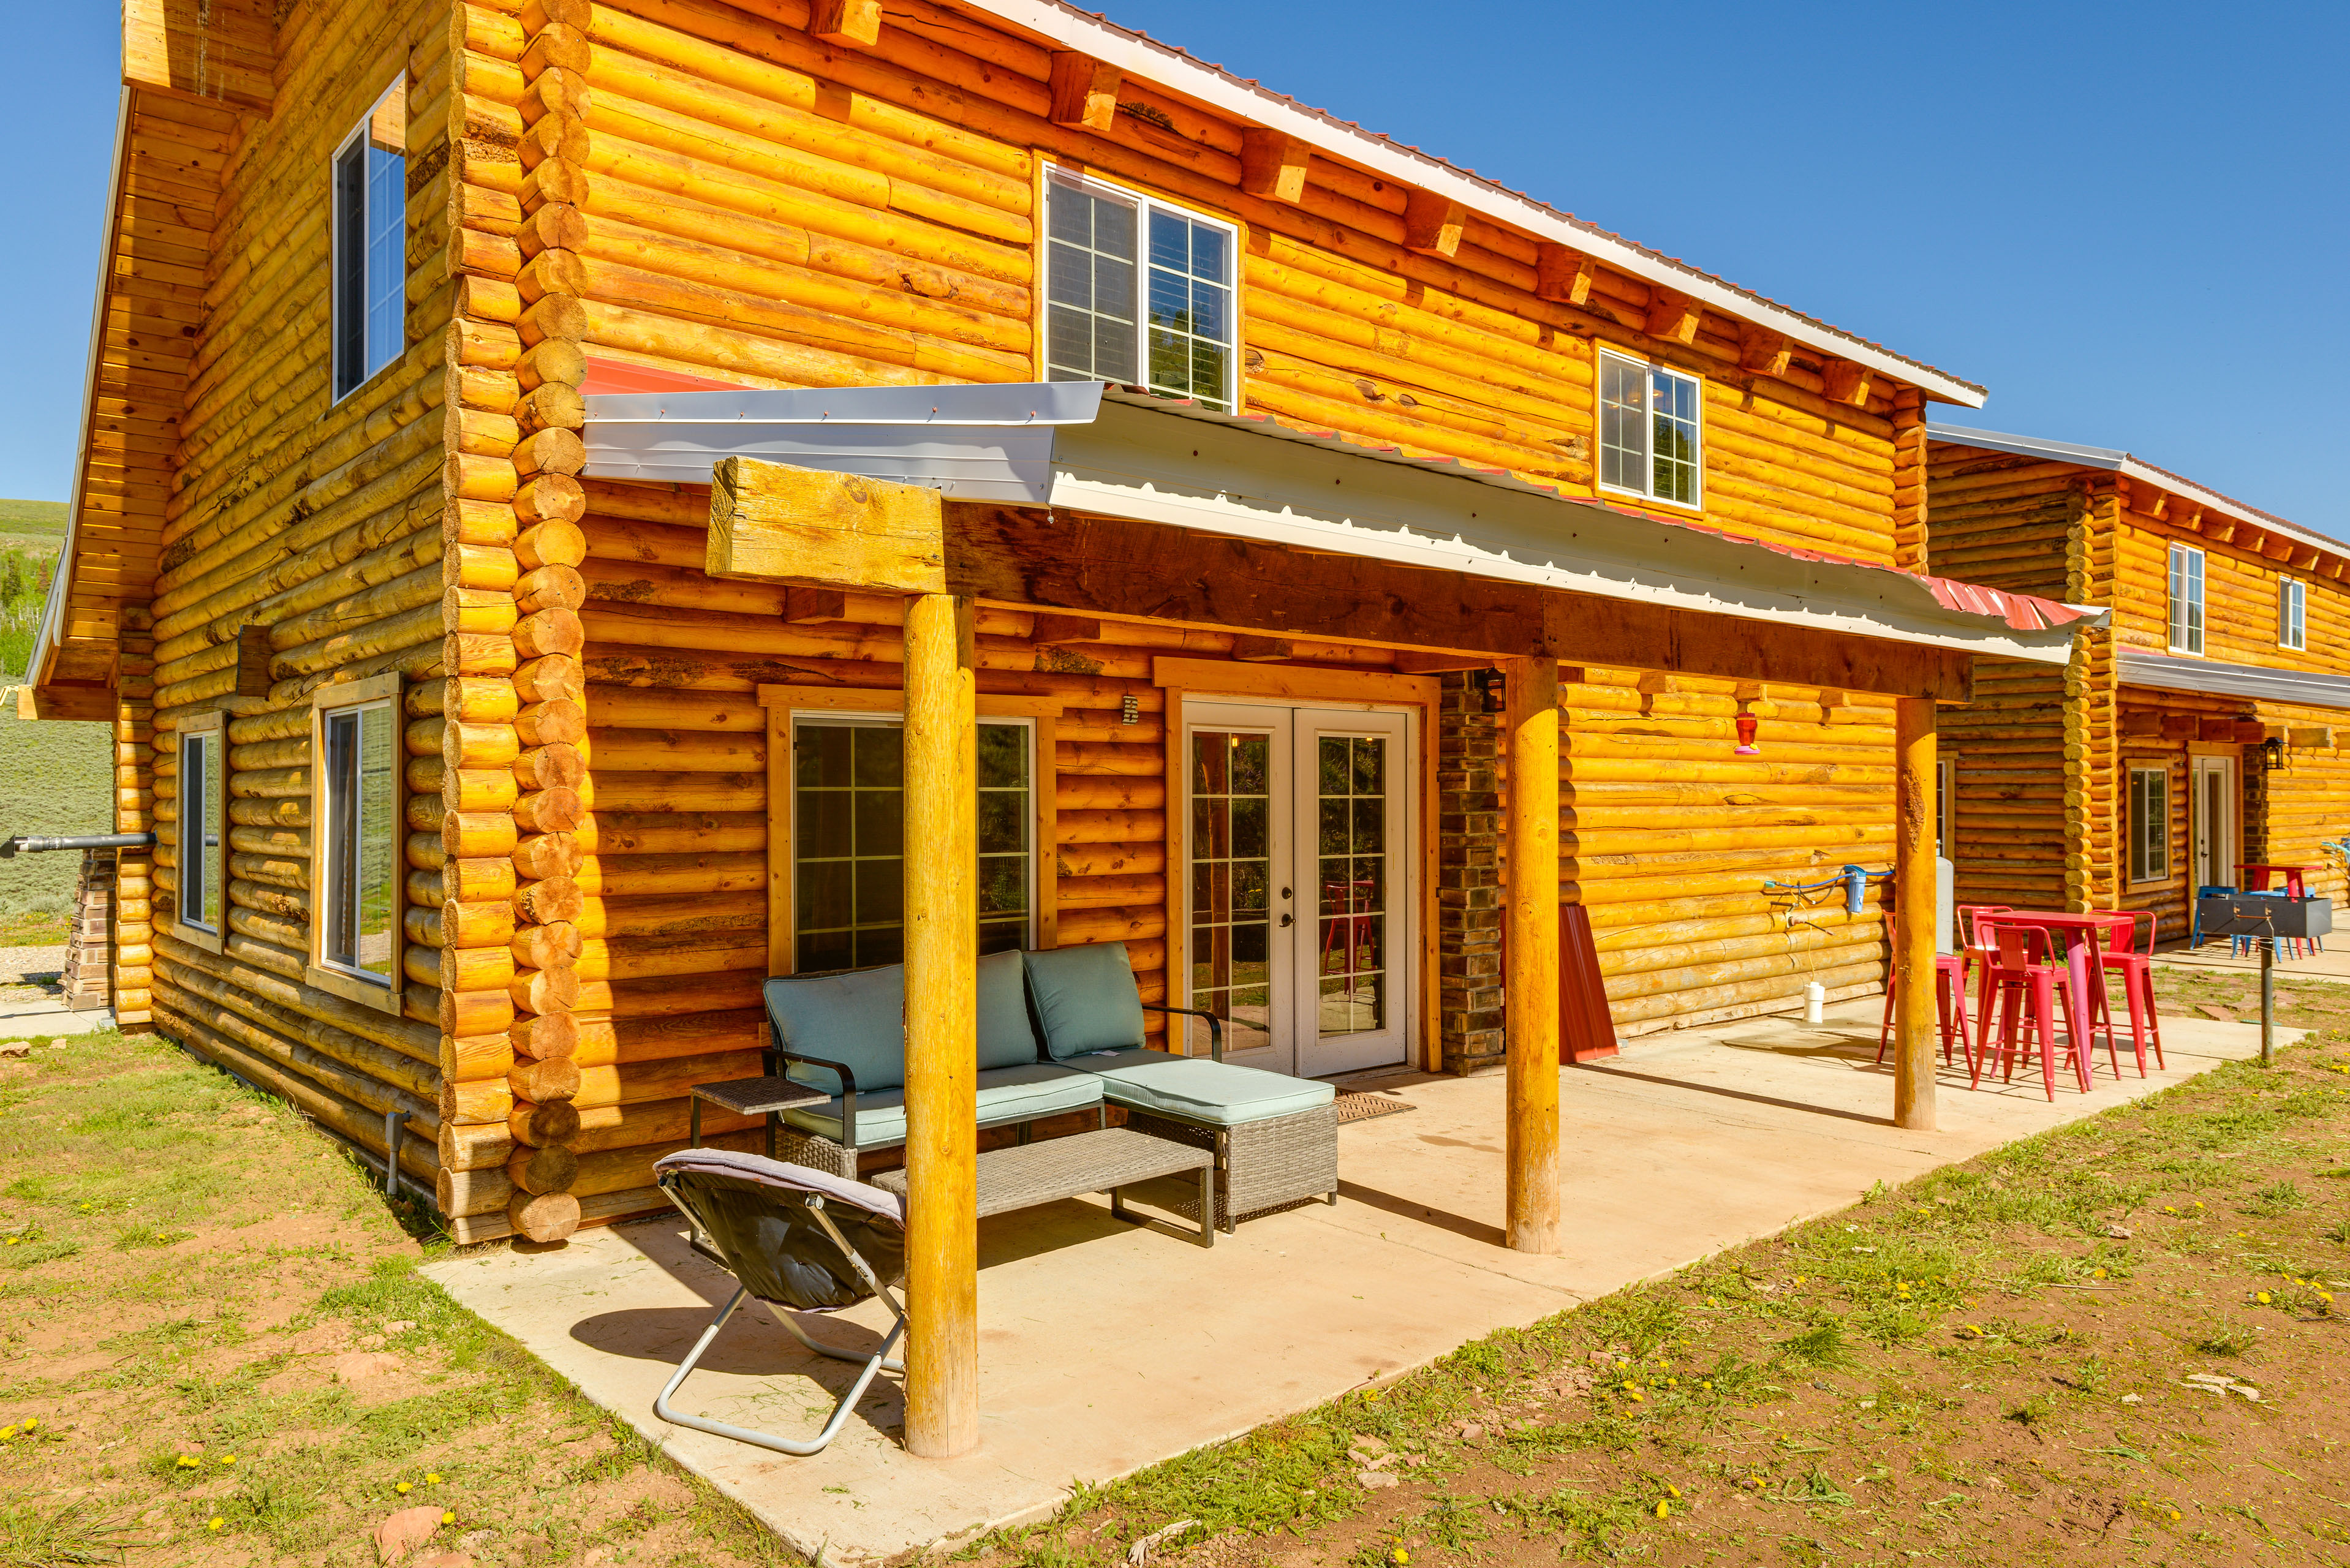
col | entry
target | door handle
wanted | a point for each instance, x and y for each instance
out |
(1288, 919)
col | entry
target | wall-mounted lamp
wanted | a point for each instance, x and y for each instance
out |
(1747, 725)
(2272, 755)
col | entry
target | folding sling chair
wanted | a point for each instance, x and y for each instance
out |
(802, 1239)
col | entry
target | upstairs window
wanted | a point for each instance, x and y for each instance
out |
(204, 832)
(1649, 436)
(371, 242)
(2186, 600)
(355, 804)
(2149, 825)
(1137, 292)
(2292, 613)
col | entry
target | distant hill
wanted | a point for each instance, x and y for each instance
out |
(33, 517)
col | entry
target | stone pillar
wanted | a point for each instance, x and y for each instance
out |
(1468, 877)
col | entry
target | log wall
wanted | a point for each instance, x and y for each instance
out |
(753, 205)
(317, 522)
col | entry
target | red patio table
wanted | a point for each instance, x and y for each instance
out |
(2083, 934)
(2257, 874)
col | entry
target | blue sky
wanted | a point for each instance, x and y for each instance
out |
(2126, 220)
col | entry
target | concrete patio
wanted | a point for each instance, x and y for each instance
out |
(1104, 1347)
(2215, 956)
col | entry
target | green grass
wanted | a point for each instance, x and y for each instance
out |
(55, 777)
(33, 517)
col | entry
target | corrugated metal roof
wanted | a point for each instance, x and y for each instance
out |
(2166, 672)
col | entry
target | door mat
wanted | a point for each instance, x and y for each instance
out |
(1361, 1105)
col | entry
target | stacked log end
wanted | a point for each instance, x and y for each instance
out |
(516, 719)
(134, 870)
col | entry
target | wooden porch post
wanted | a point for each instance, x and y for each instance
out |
(941, 804)
(1914, 899)
(1530, 998)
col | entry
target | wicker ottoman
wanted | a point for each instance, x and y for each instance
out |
(1260, 1166)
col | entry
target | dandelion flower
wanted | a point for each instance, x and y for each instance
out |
(1675, 1490)
(2174, 1513)
(214, 1522)
(2096, 1273)
(432, 1478)
(2261, 1297)
(1398, 1557)
(1708, 1386)
(449, 1516)
(228, 1459)
(404, 1488)
(1663, 1507)
(7, 1434)
(1711, 1301)
(188, 1462)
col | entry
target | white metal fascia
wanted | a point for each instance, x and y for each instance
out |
(1149, 60)
(1136, 463)
(52, 629)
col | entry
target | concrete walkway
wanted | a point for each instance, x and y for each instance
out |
(1104, 1348)
(2215, 956)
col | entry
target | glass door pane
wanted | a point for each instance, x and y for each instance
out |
(1230, 856)
(1353, 880)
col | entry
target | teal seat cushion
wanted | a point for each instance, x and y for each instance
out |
(1196, 1089)
(1005, 1095)
(1005, 1037)
(858, 1019)
(1085, 999)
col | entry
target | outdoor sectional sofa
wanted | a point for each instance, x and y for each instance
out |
(1059, 1032)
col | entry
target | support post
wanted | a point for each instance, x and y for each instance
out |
(2268, 1001)
(1914, 905)
(1530, 998)
(942, 806)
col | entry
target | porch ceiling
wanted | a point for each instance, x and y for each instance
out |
(1082, 447)
(2162, 672)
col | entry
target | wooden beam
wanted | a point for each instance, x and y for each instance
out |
(1914, 898)
(252, 661)
(851, 24)
(2222, 731)
(1260, 649)
(804, 606)
(2218, 528)
(1844, 381)
(1081, 564)
(1433, 223)
(2248, 733)
(1409, 661)
(941, 805)
(2150, 501)
(772, 522)
(1530, 997)
(1764, 351)
(2304, 556)
(1085, 91)
(1273, 164)
(81, 703)
(1673, 316)
(1563, 274)
(2321, 736)
(2178, 727)
(1052, 630)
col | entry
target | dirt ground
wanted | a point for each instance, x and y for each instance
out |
(215, 1350)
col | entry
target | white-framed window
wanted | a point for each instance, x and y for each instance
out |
(1138, 291)
(847, 837)
(356, 828)
(369, 184)
(1651, 432)
(2186, 600)
(2292, 613)
(201, 912)
(2149, 825)
(1946, 805)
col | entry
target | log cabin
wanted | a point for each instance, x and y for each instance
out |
(2202, 728)
(544, 459)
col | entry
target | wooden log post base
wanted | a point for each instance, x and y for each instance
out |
(1530, 1000)
(1914, 901)
(942, 1041)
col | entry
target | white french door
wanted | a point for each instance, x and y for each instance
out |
(2212, 782)
(1298, 838)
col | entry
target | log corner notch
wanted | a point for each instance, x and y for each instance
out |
(770, 522)
(1563, 275)
(1433, 223)
(851, 24)
(1085, 91)
(1673, 317)
(1273, 164)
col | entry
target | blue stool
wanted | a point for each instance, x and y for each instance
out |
(2195, 934)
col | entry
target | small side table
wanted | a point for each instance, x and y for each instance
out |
(768, 1097)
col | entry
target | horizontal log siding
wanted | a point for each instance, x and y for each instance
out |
(1666, 836)
(766, 209)
(319, 520)
(2011, 522)
(2239, 596)
(2308, 800)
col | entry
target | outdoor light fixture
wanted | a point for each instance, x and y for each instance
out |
(1747, 725)
(2272, 755)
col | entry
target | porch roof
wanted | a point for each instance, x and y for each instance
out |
(2164, 672)
(1088, 447)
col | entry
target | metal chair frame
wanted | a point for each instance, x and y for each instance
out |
(879, 1361)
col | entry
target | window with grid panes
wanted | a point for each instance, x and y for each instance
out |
(2149, 825)
(360, 893)
(370, 242)
(848, 867)
(1137, 292)
(1649, 434)
(2293, 614)
(2186, 600)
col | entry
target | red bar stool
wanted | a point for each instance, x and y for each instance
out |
(2020, 977)
(1975, 955)
(1949, 999)
(2122, 955)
